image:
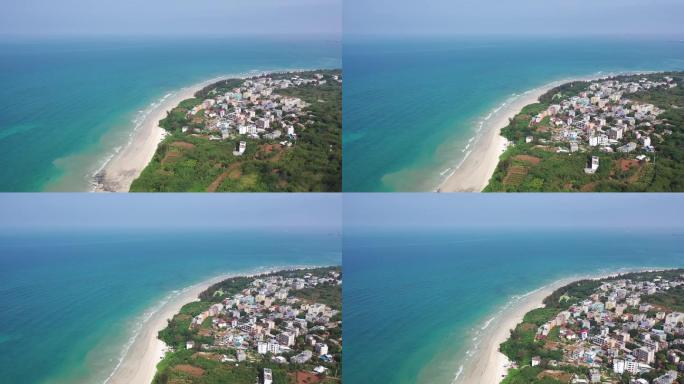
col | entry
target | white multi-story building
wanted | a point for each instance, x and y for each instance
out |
(672, 319)
(322, 348)
(273, 347)
(240, 148)
(593, 165)
(647, 355)
(268, 376)
(286, 338)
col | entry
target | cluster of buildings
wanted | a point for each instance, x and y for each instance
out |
(255, 110)
(267, 320)
(603, 117)
(614, 332)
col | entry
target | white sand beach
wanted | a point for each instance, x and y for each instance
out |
(488, 365)
(126, 165)
(140, 360)
(474, 173)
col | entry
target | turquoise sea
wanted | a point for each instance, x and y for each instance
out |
(72, 300)
(411, 105)
(415, 299)
(66, 105)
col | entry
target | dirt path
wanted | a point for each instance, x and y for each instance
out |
(233, 172)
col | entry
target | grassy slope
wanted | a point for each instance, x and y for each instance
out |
(313, 164)
(177, 333)
(565, 172)
(521, 345)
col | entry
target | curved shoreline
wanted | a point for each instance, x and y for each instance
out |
(139, 358)
(473, 172)
(484, 363)
(124, 165)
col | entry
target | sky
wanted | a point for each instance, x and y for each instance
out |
(325, 17)
(333, 212)
(65, 211)
(513, 211)
(39, 18)
(514, 17)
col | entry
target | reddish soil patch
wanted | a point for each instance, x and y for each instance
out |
(625, 164)
(545, 148)
(516, 174)
(528, 159)
(215, 184)
(189, 369)
(170, 157)
(233, 173)
(588, 187)
(561, 376)
(269, 148)
(527, 326)
(302, 377)
(173, 154)
(551, 345)
(182, 144)
(662, 308)
(207, 355)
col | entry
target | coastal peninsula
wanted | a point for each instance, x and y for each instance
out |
(281, 327)
(272, 132)
(617, 134)
(118, 173)
(626, 328)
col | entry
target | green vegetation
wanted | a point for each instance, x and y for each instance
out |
(191, 162)
(522, 345)
(673, 301)
(528, 375)
(194, 366)
(187, 366)
(531, 167)
(328, 295)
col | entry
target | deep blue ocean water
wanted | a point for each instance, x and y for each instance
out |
(414, 298)
(70, 301)
(65, 105)
(411, 105)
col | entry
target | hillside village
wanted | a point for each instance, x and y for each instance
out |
(603, 116)
(619, 134)
(275, 132)
(271, 325)
(254, 110)
(624, 330)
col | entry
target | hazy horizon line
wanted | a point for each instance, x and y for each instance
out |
(509, 35)
(511, 227)
(40, 36)
(35, 228)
